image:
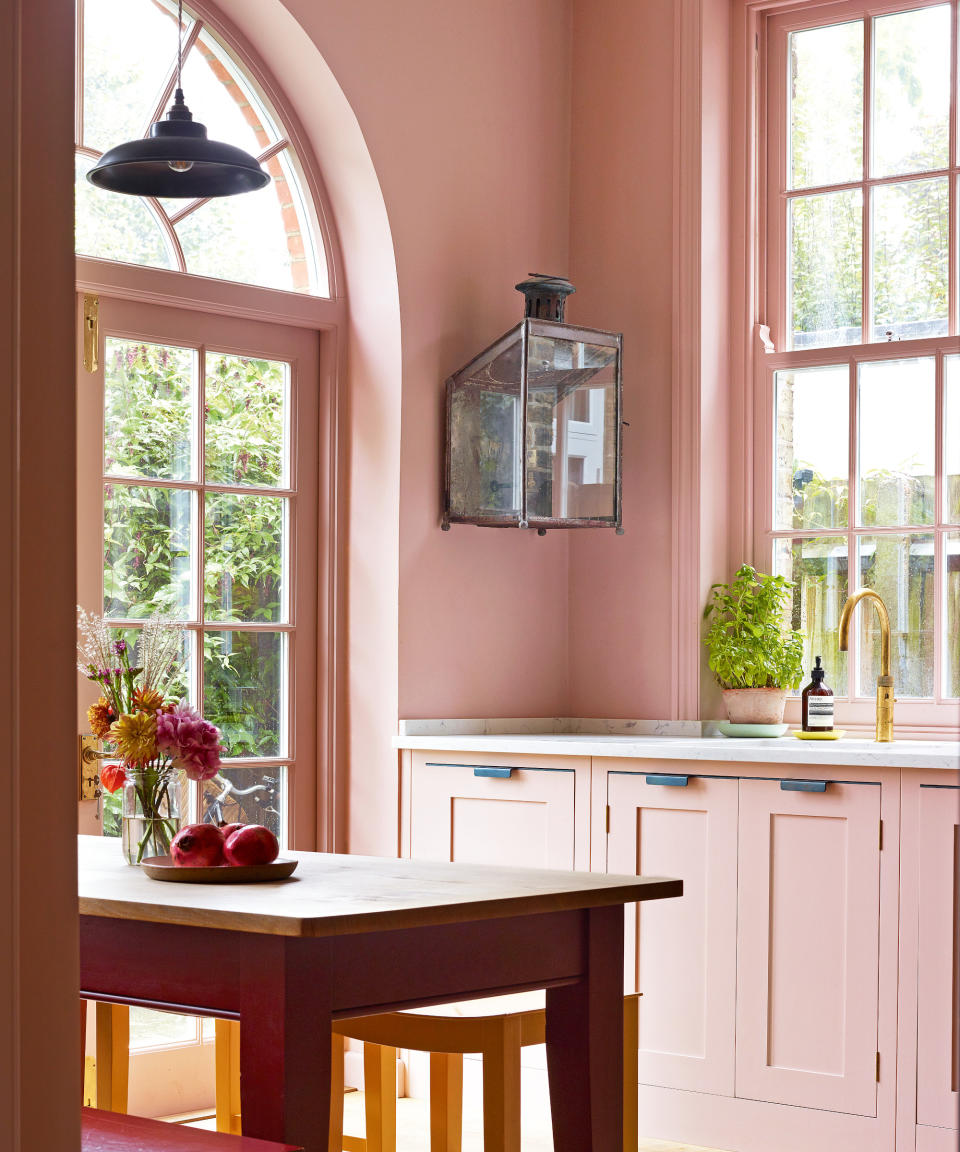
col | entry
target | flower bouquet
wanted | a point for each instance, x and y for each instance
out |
(153, 737)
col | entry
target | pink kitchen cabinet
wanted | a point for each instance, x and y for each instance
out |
(682, 956)
(938, 967)
(808, 929)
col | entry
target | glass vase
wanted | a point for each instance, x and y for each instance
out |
(150, 812)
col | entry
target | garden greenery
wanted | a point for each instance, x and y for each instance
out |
(748, 642)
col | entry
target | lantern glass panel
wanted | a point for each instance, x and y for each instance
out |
(571, 438)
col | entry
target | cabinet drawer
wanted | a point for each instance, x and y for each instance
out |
(808, 953)
(492, 813)
(681, 953)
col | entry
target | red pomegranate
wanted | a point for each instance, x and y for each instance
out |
(251, 844)
(197, 846)
(227, 830)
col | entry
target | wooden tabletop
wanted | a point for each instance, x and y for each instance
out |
(333, 895)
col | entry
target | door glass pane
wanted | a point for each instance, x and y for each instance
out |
(152, 1029)
(110, 226)
(826, 105)
(825, 280)
(896, 443)
(244, 563)
(246, 795)
(148, 409)
(910, 245)
(246, 421)
(244, 689)
(911, 90)
(951, 440)
(952, 635)
(128, 49)
(812, 448)
(147, 535)
(818, 569)
(900, 568)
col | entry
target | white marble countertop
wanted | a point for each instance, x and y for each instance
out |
(718, 749)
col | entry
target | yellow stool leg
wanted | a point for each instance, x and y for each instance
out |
(380, 1099)
(446, 1102)
(631, 1073)
(501, 1085)
(227, 1065)
(113, 1056)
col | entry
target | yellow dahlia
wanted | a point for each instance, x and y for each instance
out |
(147, 700)
(100, 716)
(135, 737)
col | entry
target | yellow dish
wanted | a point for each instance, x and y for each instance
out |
(834, 735)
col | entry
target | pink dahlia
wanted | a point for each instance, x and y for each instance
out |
(191, 742)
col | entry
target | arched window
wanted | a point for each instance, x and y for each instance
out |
(127, 66)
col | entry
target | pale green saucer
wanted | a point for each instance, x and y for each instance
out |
(766, 731)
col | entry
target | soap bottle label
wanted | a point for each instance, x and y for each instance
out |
(819, 711)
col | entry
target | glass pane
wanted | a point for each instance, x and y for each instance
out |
(909, 240)
(240, 238)
(114, 227)
(128, 50)
(896, 448)
(244, 562)
(243, 690)
(221, 99)
(148, 409)
(146, 551)
(951, 435)
(248, 795)
(246, 402)
(818, 569)
(571, 429)
(825, 279)
(152, 1029)
(900, 568)
(812, 448)
(911, 91)
(952, 635)
(826, 105)
(308, 268)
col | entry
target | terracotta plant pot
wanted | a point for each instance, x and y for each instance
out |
(755, 705)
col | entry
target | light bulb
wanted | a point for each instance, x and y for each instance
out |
(180, 165)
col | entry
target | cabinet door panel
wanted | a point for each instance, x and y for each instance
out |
(808, 960)
(681, 954)
(937, 958)
(525, 819)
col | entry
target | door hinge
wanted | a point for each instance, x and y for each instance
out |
(881, 835)
(608, 818)
(878, 1067)
(91, 332)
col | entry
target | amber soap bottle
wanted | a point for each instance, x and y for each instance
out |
(816, 703)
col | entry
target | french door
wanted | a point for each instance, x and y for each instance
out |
(197, 498)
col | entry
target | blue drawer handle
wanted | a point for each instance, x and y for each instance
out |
(803, 785)
(670, 781)
(500, 773)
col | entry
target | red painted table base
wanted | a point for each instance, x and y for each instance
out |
(111, 1132)
(286, 990)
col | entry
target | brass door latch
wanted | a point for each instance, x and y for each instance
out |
(91, 332)
(89, 758)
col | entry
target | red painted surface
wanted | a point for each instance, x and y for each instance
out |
(111, 1132)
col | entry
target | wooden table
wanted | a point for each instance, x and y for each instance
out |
(352, 935)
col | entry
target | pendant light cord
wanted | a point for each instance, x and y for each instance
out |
(179, 41)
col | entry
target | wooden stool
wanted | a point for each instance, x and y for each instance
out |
(496, 1027)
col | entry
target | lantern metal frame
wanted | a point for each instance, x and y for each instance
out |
(554, 330)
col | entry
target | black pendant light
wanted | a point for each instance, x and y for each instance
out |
(177, 159)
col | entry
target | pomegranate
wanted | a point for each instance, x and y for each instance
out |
(251, 844)
(228, 829)
(197, 846)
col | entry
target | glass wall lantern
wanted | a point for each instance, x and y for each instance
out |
(533, 424)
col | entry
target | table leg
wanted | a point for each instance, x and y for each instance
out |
(285, 1049)
(584, 1035)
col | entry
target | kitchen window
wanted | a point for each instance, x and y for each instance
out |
(858, 458)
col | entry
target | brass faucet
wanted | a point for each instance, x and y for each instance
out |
(884, 680)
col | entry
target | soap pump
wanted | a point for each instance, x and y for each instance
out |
(816, 703)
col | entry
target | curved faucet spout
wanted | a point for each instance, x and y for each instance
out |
(885, 679)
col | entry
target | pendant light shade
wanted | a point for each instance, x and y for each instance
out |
(176, 159)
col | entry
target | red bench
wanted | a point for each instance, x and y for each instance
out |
(112, 1132)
